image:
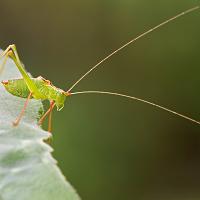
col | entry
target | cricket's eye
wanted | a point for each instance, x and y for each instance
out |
(4, 82)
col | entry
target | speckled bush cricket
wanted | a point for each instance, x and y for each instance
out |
(42, 89)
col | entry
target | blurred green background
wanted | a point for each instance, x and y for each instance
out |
(108, 147)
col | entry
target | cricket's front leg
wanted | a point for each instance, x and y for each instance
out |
(2, 66)
(50, 116)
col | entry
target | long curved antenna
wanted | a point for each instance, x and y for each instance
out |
(132, 41)
(138, 99)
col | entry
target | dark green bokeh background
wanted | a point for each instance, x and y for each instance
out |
(111, 148)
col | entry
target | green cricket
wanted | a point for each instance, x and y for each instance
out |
(42, 89)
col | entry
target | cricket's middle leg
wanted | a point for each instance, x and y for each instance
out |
(16, 122)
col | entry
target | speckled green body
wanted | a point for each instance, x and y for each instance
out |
(45, 90)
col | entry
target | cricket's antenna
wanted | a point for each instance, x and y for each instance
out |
(138, 99)
(132, 41)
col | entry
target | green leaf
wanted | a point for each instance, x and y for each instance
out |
(27, 168)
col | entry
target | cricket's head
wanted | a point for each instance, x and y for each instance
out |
(60, 99)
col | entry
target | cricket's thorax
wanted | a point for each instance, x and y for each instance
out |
(45, 90)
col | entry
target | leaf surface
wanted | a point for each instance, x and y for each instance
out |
(27, 169)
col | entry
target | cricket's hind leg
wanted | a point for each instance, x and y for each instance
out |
(2, 66)
(9, 52)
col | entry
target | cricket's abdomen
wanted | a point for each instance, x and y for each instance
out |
(17, 87)
(45, 90)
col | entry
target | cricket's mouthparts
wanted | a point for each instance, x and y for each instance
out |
(68, 93)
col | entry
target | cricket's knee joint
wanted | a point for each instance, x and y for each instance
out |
(11, 49)
(15, 123)
(12, 46)
(10, 53)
